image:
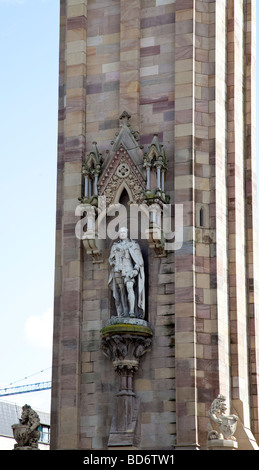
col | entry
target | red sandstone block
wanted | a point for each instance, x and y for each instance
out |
(149, 51)
(157, 20)
(77, 22)
(184, 4)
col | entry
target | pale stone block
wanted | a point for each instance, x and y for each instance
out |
(165, 278)
(69, 419)
(169, 405)
(146, 42)
(184, 65)
(74, 179)
(71, 204)
(211, 326)
(75, 130)
(142, 384)
(182, 130)
(90, 294)
(146, 418)
(183, 182)
(184, 279)
(73, 167)
(76, 34)
(184, 310)
(74, 269)
(183, 338)
(164, 2)
(93, 325)
(171, 428)
(111, 38)
(202, 250)
(146, 71)
(184, 77)
(76, 9)
(222, 444)
(77, 70)
(203, 280)
(129, 55)
(202, 184)
(87, 367)
(68, 441)
(94, 41)
(200, 351)
(164, 373)
(75, 2)
(74, 47)
(202, 80)
(76, 58)
(191, 408)
(86, 356)
(183, 15)
(210, 296)
(111, 67)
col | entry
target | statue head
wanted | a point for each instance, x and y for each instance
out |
(26, 409)
(123, 233)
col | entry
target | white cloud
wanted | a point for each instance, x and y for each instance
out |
(39, 329)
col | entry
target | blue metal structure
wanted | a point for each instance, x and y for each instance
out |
(25, 388)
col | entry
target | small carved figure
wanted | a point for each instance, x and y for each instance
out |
(221, 426)
(127, 277)
(26, 432)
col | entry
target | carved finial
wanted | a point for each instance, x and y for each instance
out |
(93, 160)
(125, 117)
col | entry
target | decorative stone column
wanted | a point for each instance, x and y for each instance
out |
(124, 342)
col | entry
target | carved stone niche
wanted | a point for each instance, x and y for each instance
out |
(125, 168)
(124, 342)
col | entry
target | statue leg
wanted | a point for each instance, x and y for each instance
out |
(120, 299)
(123, 300)
(131, 298)
(118, 308)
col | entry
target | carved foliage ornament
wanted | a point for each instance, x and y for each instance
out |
(125, 350)
(122, 173)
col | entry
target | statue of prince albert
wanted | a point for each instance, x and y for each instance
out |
(127, 278)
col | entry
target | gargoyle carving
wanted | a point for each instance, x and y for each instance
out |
(26, 432)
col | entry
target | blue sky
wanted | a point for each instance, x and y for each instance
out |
(29, 41)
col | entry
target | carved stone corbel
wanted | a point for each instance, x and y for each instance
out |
(94, 247)
(124, 342)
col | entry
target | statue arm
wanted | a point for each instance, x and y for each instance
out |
(215, 418)
(112, 257)
(34, 425)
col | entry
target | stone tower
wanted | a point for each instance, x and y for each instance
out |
(156, 106)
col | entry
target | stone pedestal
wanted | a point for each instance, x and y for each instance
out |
(222, 444)
(24, 440)
(124, 341)
(25, 448)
